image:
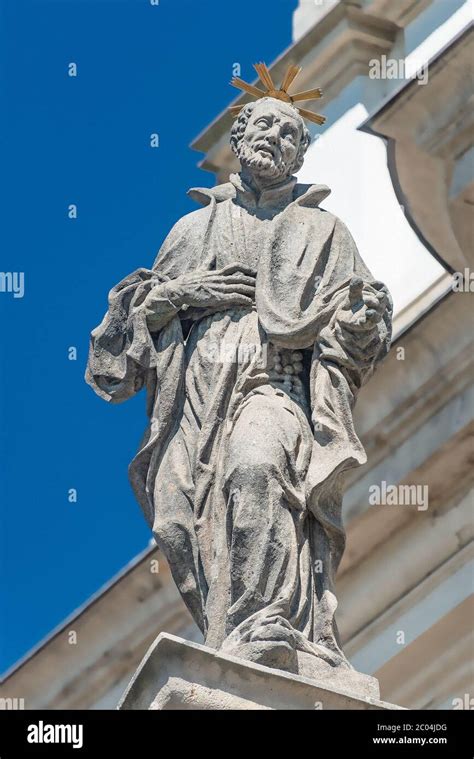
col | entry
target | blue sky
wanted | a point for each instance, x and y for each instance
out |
(85, 141)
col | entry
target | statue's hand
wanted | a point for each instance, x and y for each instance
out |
(362, 310)
(234, 285)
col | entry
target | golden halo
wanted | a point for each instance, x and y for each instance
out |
(280, 94)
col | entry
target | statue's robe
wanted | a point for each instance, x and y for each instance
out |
(239, 479)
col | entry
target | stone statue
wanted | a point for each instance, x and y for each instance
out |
(252, 334)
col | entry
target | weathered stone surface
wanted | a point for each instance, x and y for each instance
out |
(176, 674)
(253, 333)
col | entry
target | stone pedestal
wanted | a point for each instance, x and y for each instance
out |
(177, 674)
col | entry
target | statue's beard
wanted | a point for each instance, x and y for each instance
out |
(259, 163)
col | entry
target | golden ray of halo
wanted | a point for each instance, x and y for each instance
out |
(264, 75)
(235, 109)
(250, 88)
(290, 76)
(307, 95)
(316, 118)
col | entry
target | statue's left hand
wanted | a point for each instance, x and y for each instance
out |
(362, 309)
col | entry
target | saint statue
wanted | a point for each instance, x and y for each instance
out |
(252, 333)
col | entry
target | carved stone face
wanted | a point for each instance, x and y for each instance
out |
(271, 140)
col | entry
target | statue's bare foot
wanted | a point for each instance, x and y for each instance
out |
(278, 654)
(271, 644)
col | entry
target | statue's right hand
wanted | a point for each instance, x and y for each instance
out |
(234, 285)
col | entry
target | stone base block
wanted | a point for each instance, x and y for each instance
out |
(177, 674)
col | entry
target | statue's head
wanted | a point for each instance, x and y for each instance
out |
(270, 138)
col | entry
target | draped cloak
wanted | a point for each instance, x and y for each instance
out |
(304, 258)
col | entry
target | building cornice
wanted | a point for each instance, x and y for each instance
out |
(424, 142)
